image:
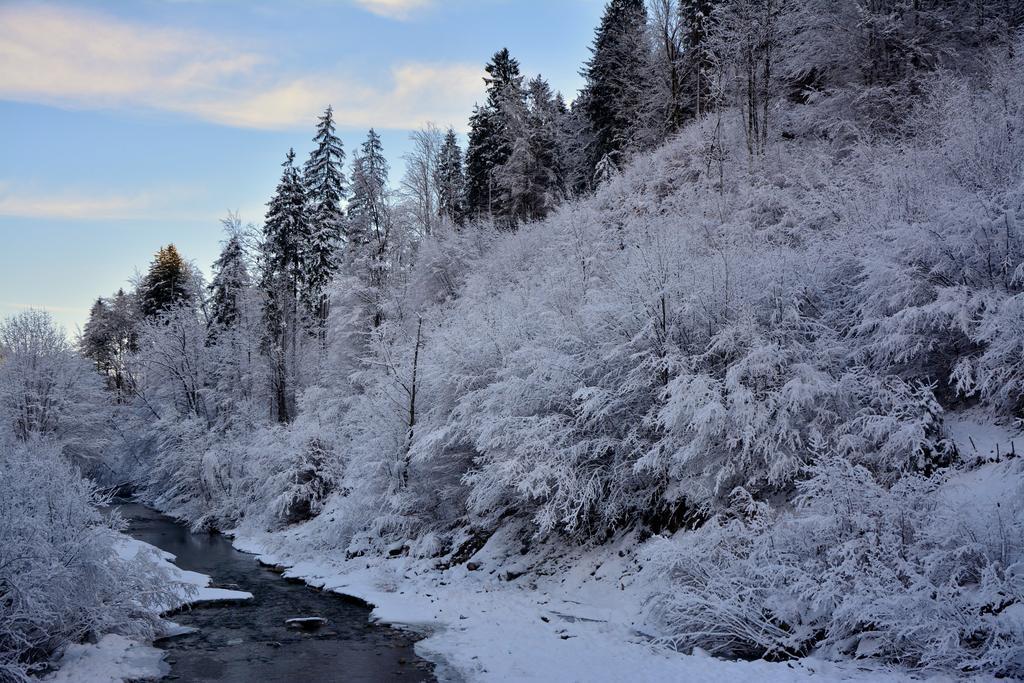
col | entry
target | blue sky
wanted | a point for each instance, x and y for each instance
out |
(129, 124)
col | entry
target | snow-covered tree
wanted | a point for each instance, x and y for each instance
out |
(234, 334)
(530, 182)
(324, 181)
(167, 283)
(231, 280)
(281, 260)
(698, 78)
(48, 391)
(491, 135)
(665, 99)
(617, 75)
(420, 182)
(450, 180)
(110, 337)
(63, 578)
(371, 224)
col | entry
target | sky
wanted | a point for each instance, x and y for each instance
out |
(129, 124)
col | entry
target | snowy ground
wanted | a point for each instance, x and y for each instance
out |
(578, 618)
(583, 622)
(116, 658)
(113, 659)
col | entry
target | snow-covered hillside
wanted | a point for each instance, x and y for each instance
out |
(716, 380)
(758, 356)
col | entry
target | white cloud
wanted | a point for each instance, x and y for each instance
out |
(414, 94)
(18, 201)
(53, 55)
(70, 206)
(394, 9)
(77, 59)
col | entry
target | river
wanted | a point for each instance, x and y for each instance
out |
(249, 642)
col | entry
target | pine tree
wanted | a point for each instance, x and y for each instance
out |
(95, 335)
(490, 142)
(617, 80)
(109, 338)
(284, 231)
(483, 134)
(370, 220)
(697, 17)
(530, 182)
(451, 181)
(230, 280)
(324, 178)
(605, 171)
(167, 283)
(576, 139)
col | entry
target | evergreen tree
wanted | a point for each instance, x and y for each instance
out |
(230, 280)
(167, 283)
(370, 221)
(95, 335)
(490, 142)
(530, 182)
(110, 337)
(284, 231)
(481, 149)
(324, 177)
(576, 138)
(451, 180)
(697, 19)
(605, 171)
(617, 81)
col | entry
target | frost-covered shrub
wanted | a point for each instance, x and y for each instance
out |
(897, 426)
(747, 411)
(61, 577)
(939, 268)
(928, 573)
(174, 477)
(307, 482)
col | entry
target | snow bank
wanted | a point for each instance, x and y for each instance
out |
(193, 587)
(112, 660)
(578, 618)
(116, 658)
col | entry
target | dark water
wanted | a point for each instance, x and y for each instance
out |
(248, 642)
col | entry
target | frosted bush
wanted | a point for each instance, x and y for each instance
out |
(913, 574)
(307, 482)
(61, 577)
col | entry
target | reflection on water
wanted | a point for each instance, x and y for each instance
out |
(249, 642)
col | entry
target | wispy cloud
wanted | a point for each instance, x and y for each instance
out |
(70, 206)
(394, 9)
(77, 59)
(28, 202)
(414, 94)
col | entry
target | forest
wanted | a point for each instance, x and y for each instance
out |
(747, 305)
